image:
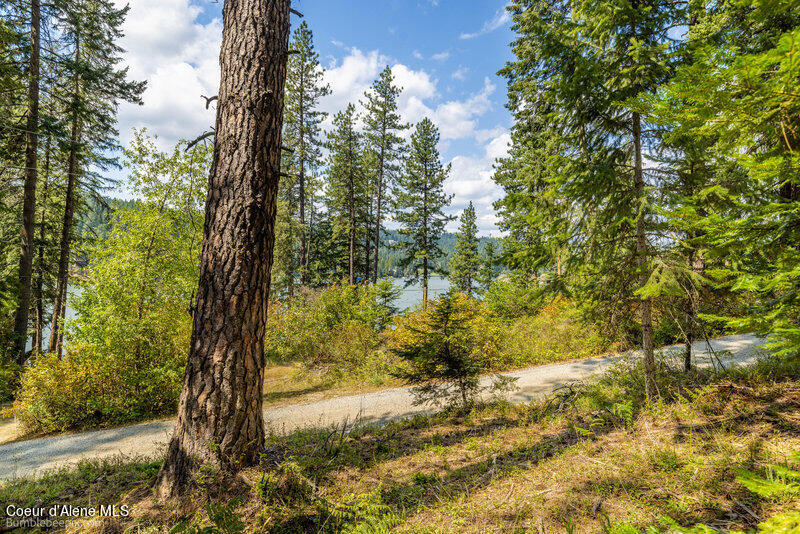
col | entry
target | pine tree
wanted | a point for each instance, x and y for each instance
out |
(383, 126)
(579, 66)
(220, 419)
(304, 88)
(94, 85)
(348, 194)
(31, 177)
(465, 262)
(419, 201)
(488, 265)
(735, 100)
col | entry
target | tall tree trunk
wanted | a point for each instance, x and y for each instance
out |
(424, 283)
(62, 278)
(378, 200)
(29, 195)
(367, 248)
(641, 256)
(352, 242)
(38, 337)
(220, 419)
(302, 150)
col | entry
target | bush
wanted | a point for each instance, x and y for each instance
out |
(443, 350)
(9, 379)
(513, 297)
(87, 389)
(556, 333)
(335, 330)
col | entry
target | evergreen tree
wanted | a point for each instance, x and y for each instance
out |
(94, 85)
(419, 201)
(304, 88)
(488, 264)
(466, 261)
(29, 188)
(383, 126)
(735, 100)
(348, 194)
(579, 66)
(225, 368)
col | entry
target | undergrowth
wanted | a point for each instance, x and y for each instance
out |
(717, 452)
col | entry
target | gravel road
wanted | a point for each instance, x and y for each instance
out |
(30, 457)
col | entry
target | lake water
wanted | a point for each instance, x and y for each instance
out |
(72, 291)
(412, 295)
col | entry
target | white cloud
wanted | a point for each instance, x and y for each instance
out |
(178, 57)
(417, 54)
(441, 56)
(457, 119)
(500, 18)
(471, 180)
(460, 74)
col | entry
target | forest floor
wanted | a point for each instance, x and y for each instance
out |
(584, 459)
(23, 458)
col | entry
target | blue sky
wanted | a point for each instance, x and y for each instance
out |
(445, 55)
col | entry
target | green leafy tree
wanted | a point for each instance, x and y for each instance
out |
(129, 339)
(384, 147)
(465, 263)
(93, 85)
(419, 201)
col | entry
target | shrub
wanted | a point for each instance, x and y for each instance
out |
(555, 333)
(334, 330)
(9, 378)
(86, 389)
(513, 297)
(442, 351)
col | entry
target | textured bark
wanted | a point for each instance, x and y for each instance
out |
(641, 256)
(220, 420)
(29, 195)
(302, 148)
(62, 278)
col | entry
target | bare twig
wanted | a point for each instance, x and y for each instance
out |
(200, 138)
(209, 99)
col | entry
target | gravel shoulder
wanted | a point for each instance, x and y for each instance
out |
(25, 458)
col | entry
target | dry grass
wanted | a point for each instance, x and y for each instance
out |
(502, 468)
(290, 384)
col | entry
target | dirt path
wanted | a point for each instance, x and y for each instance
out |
(149, 439)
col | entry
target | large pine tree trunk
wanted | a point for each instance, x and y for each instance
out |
(641, 256)
(302, 149)
(220, 420)
(29, 195)
(367, 247)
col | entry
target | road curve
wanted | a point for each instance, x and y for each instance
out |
(25, 458)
